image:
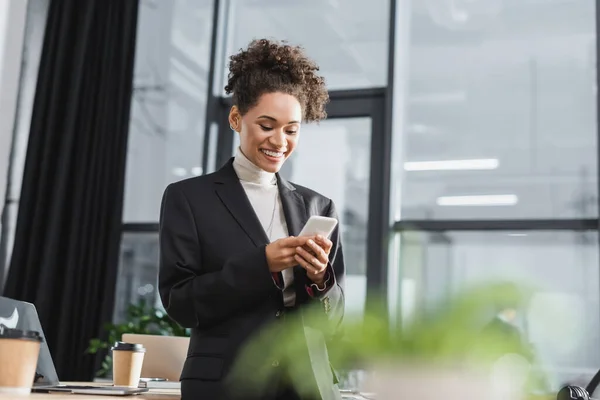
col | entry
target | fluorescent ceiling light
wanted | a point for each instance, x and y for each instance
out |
(196, 171)
(452, 165)
(178, 171)
(422, 129)
(481, 200)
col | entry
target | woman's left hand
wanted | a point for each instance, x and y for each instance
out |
(316, 260)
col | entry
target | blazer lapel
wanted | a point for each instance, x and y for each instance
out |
(294, 209)
(232, 194)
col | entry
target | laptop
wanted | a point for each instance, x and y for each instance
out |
(164, 359)
(16, 314)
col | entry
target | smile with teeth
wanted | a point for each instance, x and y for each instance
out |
(272, 153)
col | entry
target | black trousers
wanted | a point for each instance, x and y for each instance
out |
(194, 389)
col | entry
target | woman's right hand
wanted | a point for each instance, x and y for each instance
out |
(280, 253)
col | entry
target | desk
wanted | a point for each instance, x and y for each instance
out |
(152, 394)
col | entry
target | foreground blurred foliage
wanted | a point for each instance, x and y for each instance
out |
(450, 334)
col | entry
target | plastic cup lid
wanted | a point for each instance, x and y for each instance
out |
(128, 347)
(8, 333)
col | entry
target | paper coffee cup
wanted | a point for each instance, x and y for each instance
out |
(19, 351)
(127, 363)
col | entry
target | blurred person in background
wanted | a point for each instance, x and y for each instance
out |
(504, 323)
(504, 326)
(230, 262)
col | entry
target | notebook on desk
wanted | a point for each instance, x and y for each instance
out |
(22, 315)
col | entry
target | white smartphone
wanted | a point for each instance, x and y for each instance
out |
(318, 225)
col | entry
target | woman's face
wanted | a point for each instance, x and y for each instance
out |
(269, 131)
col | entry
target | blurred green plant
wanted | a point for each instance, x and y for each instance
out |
(140, 318)
(450, 333)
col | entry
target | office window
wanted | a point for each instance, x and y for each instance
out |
(562, 320)
(334, 159)
(169, 102)
(18, 108)
(500, 101)
(166, 134)
(347, 38)
(138, 272)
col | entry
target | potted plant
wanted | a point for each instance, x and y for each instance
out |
(443, 351)
(140, 318)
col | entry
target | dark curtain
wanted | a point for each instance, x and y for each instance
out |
(65, 255)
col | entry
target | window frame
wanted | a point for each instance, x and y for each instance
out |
(375, 103)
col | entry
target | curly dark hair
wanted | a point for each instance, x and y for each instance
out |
(269, 66)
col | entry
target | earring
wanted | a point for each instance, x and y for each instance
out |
(232, 128)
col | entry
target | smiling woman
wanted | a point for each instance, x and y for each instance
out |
(275, 87)
(268, 131)
(231, 259)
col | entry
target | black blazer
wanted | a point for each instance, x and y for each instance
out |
(214, 276)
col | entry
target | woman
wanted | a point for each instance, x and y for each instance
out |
(230, 259)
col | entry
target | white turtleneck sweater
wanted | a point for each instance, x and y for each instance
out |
(261, 188)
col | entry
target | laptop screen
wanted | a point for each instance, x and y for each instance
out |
(21, 315)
